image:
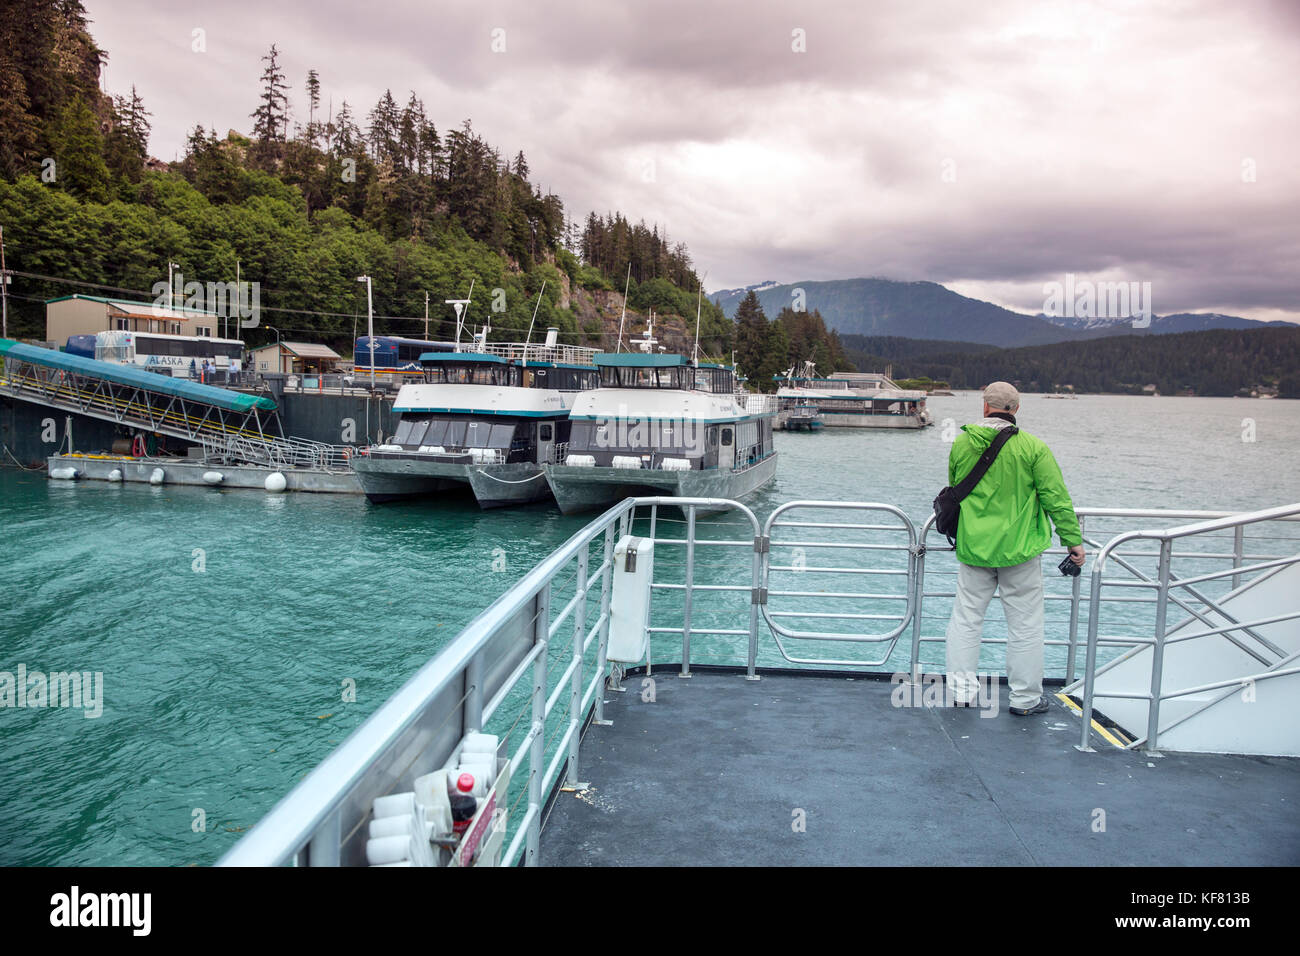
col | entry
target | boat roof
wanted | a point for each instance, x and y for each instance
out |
(884, 784)
(435, 357)
(130, 375)
(642, 360)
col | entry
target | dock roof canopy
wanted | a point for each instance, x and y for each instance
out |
(138, 378)
(142, 309)
(311, 350)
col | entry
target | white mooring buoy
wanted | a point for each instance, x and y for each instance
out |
(213, 477)
(275, 481)
(156, 478)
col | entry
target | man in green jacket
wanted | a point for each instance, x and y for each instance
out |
(1002, 531)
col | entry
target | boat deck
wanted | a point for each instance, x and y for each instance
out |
(713, 771)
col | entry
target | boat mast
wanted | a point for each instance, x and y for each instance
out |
(626, 285)
(699, 301)
(533, 322)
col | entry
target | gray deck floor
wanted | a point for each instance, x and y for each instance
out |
(712, 772)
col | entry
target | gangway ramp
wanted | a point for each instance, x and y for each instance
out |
(1219, 673)
(227, 424)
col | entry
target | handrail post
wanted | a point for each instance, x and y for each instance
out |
(1158, 651)
(1090, 664)
(690, 586)
(1238, 546)
(472, 713)
(1076, 590)
(575, 687)
(325, 846)
(918, 590)
(602, 649)
(537, 751)
(761, 556)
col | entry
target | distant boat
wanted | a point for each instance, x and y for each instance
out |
(486, 420)
(660, 425)
(856, 399)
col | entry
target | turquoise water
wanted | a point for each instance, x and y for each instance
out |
(223, 687)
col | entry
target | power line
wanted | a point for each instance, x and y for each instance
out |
(263, 308)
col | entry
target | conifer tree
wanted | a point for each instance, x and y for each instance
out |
(271, 118)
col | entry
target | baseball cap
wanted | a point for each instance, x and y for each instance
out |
(1002, 396)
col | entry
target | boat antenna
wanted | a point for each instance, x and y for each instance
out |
(626, 285)
(699, 301)
(462, 307)
(530, 324)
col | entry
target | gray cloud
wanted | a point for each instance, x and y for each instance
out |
(992, 146)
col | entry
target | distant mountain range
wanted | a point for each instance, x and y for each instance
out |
(927, 310)
(1167, 324)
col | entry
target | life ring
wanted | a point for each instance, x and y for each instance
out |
(347, 453)
(137, 446)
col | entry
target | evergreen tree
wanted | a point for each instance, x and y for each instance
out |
(79, 153)
(271, 118)
(313, 102)
(751, 337)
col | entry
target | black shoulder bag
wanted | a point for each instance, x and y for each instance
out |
(947, 505)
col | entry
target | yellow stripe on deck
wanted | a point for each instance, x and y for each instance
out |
(1102, 731)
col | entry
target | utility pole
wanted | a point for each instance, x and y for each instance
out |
(370, 327)
(426, 317)
(239, 304)
(171, 289)
(4, 287)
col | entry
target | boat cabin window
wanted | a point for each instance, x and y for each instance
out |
(716, 380)
(437, 433)
(410, 431)
(629, 376)
(726, 437)
(680, 439)
(544, 432)
(566, 379)
(472, 373)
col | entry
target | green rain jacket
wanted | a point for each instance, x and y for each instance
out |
(1004, 520)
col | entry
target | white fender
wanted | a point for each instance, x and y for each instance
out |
(275, 481)
(213, 477)
(156, 477)
(64, 474)
(115, 474)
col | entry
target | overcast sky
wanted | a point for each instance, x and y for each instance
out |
(991, 146)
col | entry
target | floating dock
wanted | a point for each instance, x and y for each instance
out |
(184, 471)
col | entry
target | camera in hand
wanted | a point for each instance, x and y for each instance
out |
(1068, 567)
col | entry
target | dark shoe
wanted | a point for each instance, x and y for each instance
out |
(1039, 708)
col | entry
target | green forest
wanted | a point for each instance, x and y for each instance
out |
(310, 199)
(301, 211)
(1220, 362)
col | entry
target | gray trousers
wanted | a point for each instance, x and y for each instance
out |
(1021, 587)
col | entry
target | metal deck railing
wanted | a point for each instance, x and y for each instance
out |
(277, 452)
(519, 352)
(1190, 594)
(531, 668)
